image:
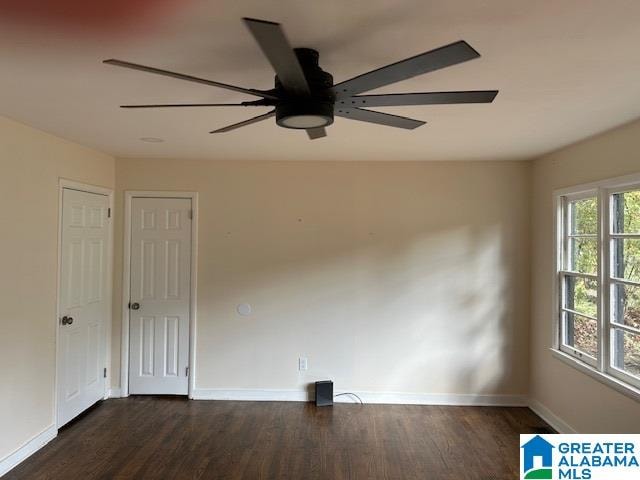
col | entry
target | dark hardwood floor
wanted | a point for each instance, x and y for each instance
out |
(172, 438)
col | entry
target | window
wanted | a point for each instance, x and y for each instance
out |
(579, 277)
(624, 258)
(598, 278)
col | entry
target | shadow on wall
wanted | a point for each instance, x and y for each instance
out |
(439, 310)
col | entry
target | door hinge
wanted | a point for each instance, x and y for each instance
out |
(190, 214)
(109, 212)
(104, 372)
(186, 372)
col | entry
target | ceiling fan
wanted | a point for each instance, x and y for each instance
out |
(305, 97)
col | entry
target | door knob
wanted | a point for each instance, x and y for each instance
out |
(67, 320)
(135, 306)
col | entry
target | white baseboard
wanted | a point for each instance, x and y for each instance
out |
(114, 393)
(459, 399)
(551, 418)
(367, 397)
(251, 395)
(27, 449)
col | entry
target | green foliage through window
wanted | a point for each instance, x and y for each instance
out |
(582, 294)
(584, 216)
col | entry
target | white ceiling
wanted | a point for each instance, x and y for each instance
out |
(565, 70)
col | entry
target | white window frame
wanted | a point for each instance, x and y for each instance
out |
(599, 368)
(564, 272)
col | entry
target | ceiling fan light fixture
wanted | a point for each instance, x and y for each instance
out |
(305, 121)
(304, 115)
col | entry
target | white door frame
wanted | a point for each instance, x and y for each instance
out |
(129, 195)
(84, 187)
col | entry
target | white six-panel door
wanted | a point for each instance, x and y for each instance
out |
(159, 296)
(83, 302)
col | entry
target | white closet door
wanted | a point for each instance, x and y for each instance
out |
(160, 295)
(83, 302)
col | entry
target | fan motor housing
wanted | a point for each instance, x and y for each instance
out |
(313, 112)
(320, 82)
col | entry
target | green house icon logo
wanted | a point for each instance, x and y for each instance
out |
(540, 448)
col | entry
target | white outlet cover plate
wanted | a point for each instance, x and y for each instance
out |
(302, 364)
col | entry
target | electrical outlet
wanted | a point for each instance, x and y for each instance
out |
(302, 363)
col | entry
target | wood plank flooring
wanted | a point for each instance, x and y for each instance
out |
(173, 438)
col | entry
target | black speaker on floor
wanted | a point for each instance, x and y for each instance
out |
(324, 393)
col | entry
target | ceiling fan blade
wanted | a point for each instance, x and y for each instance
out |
(428, 98)
(189, 78)
(425, 62)
(378, 117)
(170, 105)
(316, 133)
(259, 118)
(275, 46)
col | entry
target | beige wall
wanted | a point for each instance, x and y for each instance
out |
(389, 277)
(31, 162)
(585, 404)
